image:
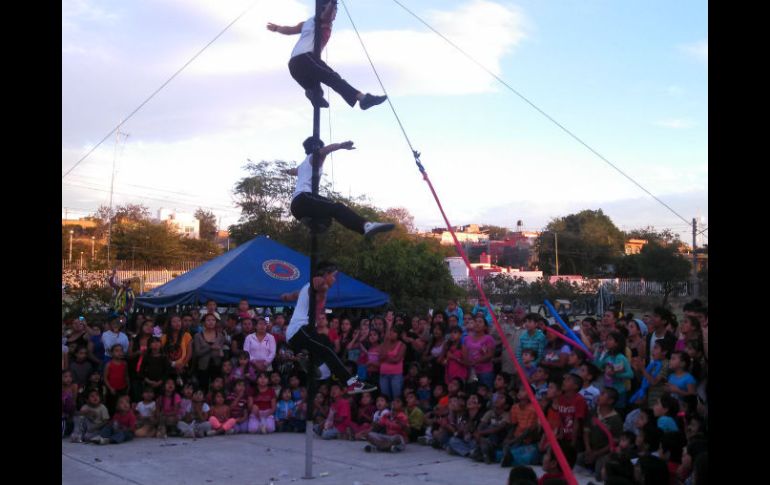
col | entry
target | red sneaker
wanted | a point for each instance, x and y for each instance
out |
(359, 387)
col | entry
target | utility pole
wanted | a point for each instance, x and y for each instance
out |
(556, 245)
(112, 186)
(69, 260)
(695, 285)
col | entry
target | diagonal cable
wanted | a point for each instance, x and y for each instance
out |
(567, 131)
(158, 90)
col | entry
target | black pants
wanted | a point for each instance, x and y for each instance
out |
(306, 338)
(318, 207)
(310, 72)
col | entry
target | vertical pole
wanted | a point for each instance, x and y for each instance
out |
(695, 285)
(556, 244)
(312, 365)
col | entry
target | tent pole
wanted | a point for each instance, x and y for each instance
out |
(311, 379)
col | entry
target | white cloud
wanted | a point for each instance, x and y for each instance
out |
(410, 61)
(675, 123)
(698, 50)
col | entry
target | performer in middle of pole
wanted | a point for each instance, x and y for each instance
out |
(304, 204)
(310, 71)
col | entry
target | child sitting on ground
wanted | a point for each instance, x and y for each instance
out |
(122, 425)
(146, 414)
(597, 443)
(396, 426)
(262, 419)
(239, 406)
(519, 446)
(551, 466)
(338, 423)
(416, 417)
(169, 407)
(220, 420)
(195, 422)
(285, 420)
(90, 420)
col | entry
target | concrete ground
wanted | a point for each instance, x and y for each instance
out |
(276, 459)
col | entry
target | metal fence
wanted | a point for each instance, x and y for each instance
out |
(640, 287)
(146, 278)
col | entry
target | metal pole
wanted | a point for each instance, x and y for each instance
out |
(69, 260)
(556, 244)
(695, 282)
(312, 365)
(93, 244)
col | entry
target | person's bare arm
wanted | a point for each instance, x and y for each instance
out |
(291, 171)
(285, 29)
(333, 147)
(290, 296)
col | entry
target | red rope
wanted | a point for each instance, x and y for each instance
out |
(565, 467)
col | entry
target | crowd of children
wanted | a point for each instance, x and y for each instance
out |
(629, 404)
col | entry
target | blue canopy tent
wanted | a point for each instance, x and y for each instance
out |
(259, 271)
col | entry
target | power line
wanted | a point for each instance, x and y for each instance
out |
(158, 90)
(578, 139)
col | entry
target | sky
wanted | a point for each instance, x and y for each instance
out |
(629, 78)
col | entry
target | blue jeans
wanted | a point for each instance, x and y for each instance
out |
(488, 379)
(116, 436)
(391, 385)
(460, 446)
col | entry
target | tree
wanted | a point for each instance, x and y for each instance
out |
(401, 216)
(663, 264)
(496, 233)
(588, 243)
(664, 237)
(208, 224)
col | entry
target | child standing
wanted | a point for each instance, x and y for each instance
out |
(88, 423)
(262, 418)
(122, 426)
(617, 368)
(653, 377)
(453, 359)
(155, 367)
(115, 376)
(597, 444)
(589, 373)
(220, 420)
(310, 71)
(680, 382)
(69, 392)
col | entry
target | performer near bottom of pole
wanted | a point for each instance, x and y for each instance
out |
(301, 336)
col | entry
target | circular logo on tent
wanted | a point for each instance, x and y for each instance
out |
(280, 270)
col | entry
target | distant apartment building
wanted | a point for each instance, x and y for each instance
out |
(485, 268)
(183, 223)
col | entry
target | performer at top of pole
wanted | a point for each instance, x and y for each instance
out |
(123, 297)
(300, 335)
(310, 71)
(304, 204)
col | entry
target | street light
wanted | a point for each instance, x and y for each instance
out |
(70, 256)
(81, 259)
(93, 242)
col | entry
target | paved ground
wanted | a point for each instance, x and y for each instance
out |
(276, 459)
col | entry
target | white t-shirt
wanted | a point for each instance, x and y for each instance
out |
(300, 317)
(306, 38)
(145, 410)
(305, 176)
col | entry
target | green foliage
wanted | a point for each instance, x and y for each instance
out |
(656, 262)
(412, 271)
(588, 242)
(208, 224)
(84, 297)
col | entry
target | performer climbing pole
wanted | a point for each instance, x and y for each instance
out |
(307, 67)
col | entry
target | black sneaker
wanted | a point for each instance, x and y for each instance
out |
(317, 98)
(368, 448)
(507, 460)
(369, 100)
(372, 228)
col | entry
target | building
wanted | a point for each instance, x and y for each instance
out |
(634, 246)
(485, 268)
(184, 223)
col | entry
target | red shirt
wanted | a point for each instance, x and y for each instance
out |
(396, 425)
(570, 410)
(264, 399)
(115, 375)
(341, 409)
(548, 476)
(125, 421)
